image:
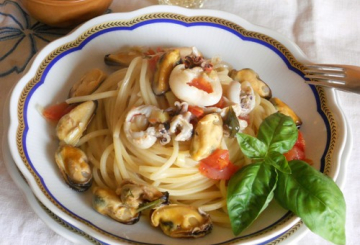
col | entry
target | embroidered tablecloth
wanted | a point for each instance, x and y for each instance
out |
(327, 32)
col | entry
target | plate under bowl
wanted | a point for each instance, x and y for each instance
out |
(278, 61)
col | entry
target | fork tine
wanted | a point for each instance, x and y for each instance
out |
(325, 67)
(325, 70)
(325, 73)
(325, 83)
(328, 78)
(341, 77)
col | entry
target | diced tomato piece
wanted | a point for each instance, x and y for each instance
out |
(208, 68)
(218, 159)
(217, 174)
(202, 84)
(217, 165)
(300, 141)
(221, 103)
(55, 112)
(150, 51)
(159, 49)
(298, 151)
(245, 118)
(152, 62)
(196, 111)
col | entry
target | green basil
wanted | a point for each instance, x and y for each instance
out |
(249, 192)
(315, 198)
(278, 161)
(278, 132)
(298, 187)
(251, 146)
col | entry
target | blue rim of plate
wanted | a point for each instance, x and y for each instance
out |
(125, 25)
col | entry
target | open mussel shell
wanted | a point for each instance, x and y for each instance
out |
(122, 59)
(136, 195)
(74, 167)
(130, 199)
(88, 83)
(207, 137)
(108, 203)
(72, 125)
(283, 108)
(164, 66)
(253, 78)
(181, 221)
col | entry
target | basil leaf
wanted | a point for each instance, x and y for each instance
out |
(278, 161)
(251, 146)
(315, 198)
(249, 192)
(278, 132)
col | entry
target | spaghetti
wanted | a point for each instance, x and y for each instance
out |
(168, 167)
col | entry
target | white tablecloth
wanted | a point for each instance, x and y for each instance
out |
(327, 31)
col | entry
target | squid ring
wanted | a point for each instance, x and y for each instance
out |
(186, 85)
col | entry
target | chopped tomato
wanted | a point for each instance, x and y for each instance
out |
(218, 159)
(296, 153)
(55, 112)
(245, 118)
(201, 84)
(298, 150)
(300, 141)
(196, 111)
(159, 49)
(218, 174)
(150, 51)
(208, 68)
(221, 103)
(217, 165)
(152, 62)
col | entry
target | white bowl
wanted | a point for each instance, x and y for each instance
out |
(278, 61)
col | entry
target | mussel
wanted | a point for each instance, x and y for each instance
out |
(283, 108)
(164, 66)
(253, 78)
(108, 203)
(181, 221)
(136, 195)
(207, 136)
(72, 125)
(88, 83)
(122, 58)
(74, 167)
(128, 201)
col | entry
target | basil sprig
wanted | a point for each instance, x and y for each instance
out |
(298, 187)
(249, 193)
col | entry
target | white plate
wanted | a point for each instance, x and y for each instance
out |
(54, 222)
(276, 59)
(79, 237)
